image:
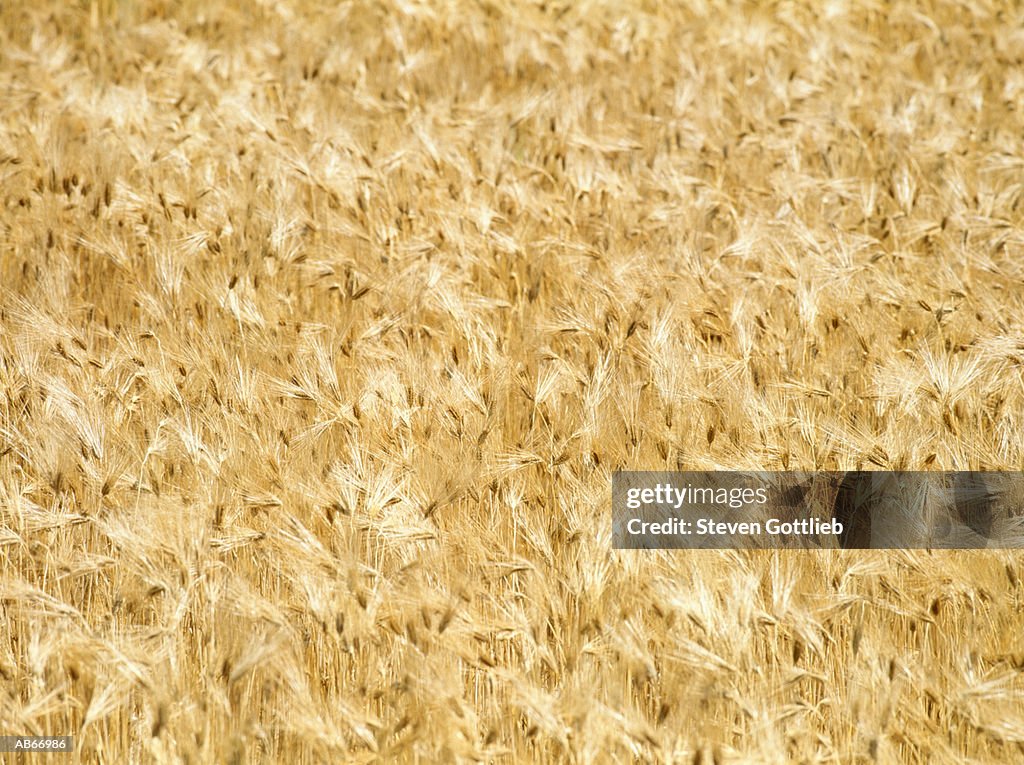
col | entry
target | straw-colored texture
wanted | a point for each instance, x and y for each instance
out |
(323, 326)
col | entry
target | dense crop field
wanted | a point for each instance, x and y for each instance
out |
(323, 327)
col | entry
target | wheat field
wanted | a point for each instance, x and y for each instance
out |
(324, 326)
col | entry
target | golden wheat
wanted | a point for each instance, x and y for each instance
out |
(323, 327)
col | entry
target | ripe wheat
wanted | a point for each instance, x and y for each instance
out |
(323, 327)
